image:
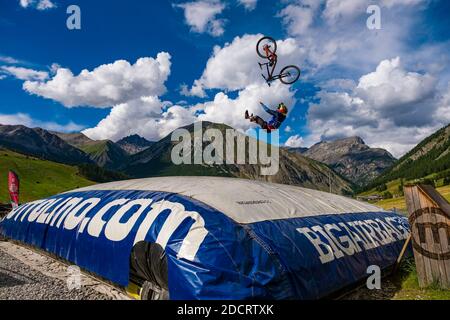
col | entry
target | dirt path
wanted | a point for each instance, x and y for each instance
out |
(25, 274)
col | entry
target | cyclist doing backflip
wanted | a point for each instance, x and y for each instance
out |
(275, 122)
(266, 49)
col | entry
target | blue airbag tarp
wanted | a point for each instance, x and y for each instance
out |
(209, 255)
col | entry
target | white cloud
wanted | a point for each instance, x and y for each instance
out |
(390, 108)
(144, 116)
(196, 90)
(348, 9)
(443, 112)
(131, 90)
(45, 5)
(106, 85)
(26, 120)
(299, 16)
(223, 73)
(294, 141)
(25, 73)
(338, 84)
(148, 117)
(8, 60)
(235, 66)
(249, 4)
(334, 33)
(336, 10)
(404, 97)
(54, 68)
(25, 3)
(231, 111)
(288, 129)
(201, 16)
(37, 4)
(391, 3)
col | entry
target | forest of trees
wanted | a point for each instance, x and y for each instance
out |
(98, 174)
(436, 160)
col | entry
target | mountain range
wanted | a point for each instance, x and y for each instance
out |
(137, 157)
(352, 158)
(294, 168)
(429, 160)
(345, 164)
(40, 143)
(134, 144)
(105, 153)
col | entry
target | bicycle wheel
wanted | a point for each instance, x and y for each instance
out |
(290, 74)
(263, 42)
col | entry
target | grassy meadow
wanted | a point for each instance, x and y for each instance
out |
(38, 178)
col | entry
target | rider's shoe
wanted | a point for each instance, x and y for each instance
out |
(246, 115)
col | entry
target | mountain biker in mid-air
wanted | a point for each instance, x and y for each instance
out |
(275, 122)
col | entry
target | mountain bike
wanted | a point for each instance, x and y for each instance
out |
(266, 49)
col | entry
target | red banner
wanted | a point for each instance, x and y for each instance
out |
(14, 187)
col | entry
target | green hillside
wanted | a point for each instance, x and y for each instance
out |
(39, 178)
(105, 153)
(429, 161)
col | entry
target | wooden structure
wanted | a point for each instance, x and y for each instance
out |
(429, 216)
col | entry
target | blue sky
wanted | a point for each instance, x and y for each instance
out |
(151, 66)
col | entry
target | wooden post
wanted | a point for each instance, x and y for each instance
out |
(429, 217)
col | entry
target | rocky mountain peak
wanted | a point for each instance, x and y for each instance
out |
(40, 143)
(134, 144)
(353, 140)
(352, 158)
